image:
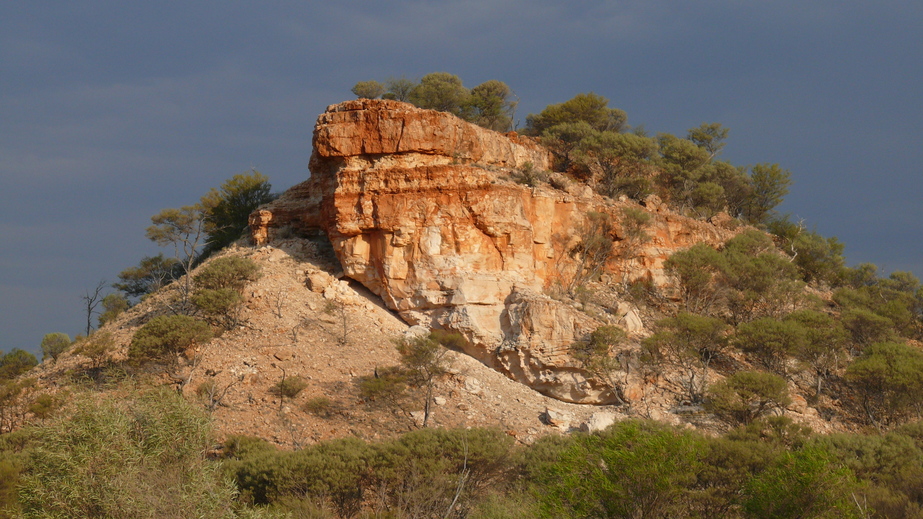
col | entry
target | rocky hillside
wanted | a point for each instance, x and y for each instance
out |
(413, 220)
(423, 209)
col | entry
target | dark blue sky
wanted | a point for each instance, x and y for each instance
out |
(113, 110)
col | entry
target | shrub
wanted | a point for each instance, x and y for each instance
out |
(889, 378)
(747, 395)
(54, 344)
(289, 387)
(167, 335)
(143, 458)
(319, 406)
(15, 363)
(633, 469)
(232, 272)
(96, 347)
(385, 385)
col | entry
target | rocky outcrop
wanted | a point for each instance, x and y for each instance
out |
(421, 209)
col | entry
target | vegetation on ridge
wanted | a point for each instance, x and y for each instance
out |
(756, 323)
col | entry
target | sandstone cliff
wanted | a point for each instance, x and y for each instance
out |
(421, 209)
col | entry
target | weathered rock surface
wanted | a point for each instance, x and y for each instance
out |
(419, 208)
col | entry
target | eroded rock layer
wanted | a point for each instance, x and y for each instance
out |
(420, 208)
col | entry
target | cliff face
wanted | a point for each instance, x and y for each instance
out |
(420, 208)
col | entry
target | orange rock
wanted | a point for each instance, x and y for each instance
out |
(419, 208)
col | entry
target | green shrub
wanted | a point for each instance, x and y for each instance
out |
(632, 469)
(386, 385)
(289, 387)
(167, 335)
(802, 483)
(747, 395)
(320, 406)
(15, 363)
(141, 458)
(232, 272)
(54, 344)
(889, 378)
(771, 341)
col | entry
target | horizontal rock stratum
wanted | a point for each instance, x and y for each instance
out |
(420, 208)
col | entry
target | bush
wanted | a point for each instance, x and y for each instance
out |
(229, 272)
(889, 378)
(15, 363)
(289, 387)
(143, 458)
(320, 406)
(167, 335)
(386, 385)
(113, 306)
(771, 341)
(747, 395)
(54, 344)
(633, 469)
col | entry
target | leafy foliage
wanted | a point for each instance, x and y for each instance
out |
(690, 342)
(368, 89)
(226, 210)
(167, 335)
(143, 458)
(54, 344)
(747, 395)
(889, 377)
(16, 362)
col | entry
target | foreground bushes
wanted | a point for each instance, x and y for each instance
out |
(145, 457)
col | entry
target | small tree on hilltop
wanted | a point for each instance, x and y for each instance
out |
(184, 230)
(226, 210)
(368, 89)
(151, 274)
(113, 306)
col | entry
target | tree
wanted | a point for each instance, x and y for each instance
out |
(824, 343)
(151, 274)
(167, 335)
(624, 161)
(889, 378)
(426, 359)
(710, 137)
(226, 210)
(594, 250)
(184, 230)
(698, 272)
(772, 341)
(398, 89)
(54, 344)
(91, 300)
(15, 363)
(747, 395)
(589, 108)
(595, 354)
(368, 89)
(491, 106)
(563, 140)
(113, 306)
(440, 91)
(770, 184)
(690, 342)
